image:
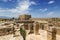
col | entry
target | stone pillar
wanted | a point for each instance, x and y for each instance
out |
(28, 29)
(31, 28)
(46, 26)
(36, 28)
(51, 35)
(26, 26)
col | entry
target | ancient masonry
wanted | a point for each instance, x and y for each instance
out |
(43, 28)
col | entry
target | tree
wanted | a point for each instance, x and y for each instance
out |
(23, 33)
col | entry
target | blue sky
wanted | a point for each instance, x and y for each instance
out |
(37, 8)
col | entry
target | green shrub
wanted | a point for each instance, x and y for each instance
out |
(23, 33)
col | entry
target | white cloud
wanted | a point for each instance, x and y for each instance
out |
(50, 13)
(23, 7)
(51, 2)
(43, 10)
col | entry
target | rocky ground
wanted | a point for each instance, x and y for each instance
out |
(42, 36)
(10, 37)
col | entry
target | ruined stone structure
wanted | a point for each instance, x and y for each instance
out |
(43, 28)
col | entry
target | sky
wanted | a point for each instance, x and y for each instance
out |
(36, 8)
